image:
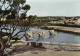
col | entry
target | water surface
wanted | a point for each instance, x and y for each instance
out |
(60, 37)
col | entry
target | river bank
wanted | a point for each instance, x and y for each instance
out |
(72, 30)
(49, 45)
(21, 49)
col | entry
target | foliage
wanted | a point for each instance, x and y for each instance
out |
(4, 34)
(30, 20)
(4, 40)
(26, 7)
(23, 16)
(11, 9)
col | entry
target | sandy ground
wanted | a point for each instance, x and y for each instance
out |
(48, 53)
(20, 49)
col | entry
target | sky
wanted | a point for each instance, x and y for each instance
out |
(54, 7)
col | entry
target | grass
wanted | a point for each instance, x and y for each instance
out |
(60, 30)
(65, 25)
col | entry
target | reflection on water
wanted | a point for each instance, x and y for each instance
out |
(60, 37)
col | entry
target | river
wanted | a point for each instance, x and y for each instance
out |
(59, 37)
